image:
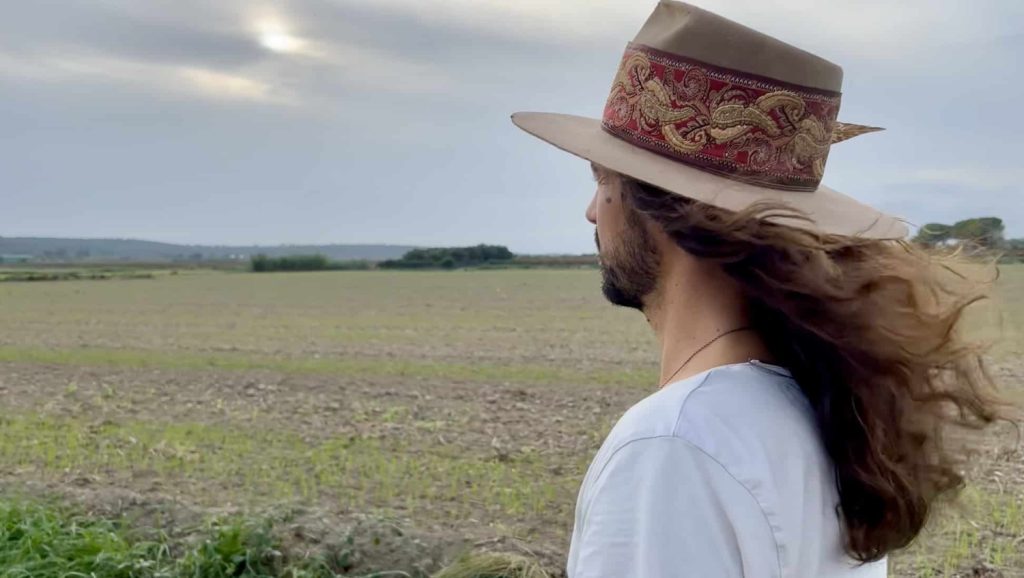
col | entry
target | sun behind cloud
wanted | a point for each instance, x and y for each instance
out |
(274, 36)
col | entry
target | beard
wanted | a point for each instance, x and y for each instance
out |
(629, 270)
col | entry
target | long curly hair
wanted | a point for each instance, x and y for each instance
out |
(870, 331)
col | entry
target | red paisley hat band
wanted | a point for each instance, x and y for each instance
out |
(741, 126)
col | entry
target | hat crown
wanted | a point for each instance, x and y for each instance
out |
(692, 32)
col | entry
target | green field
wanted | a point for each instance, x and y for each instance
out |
(463, 405)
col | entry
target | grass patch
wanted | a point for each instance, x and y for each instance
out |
(271, 466)
(351, 367)
(494, 566)
(49, 540)
(41, 540)
(984, 528)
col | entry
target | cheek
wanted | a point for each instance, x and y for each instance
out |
(610, 221)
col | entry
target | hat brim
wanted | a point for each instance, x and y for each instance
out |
(830, 211)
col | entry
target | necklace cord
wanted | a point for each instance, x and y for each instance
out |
(702, 348)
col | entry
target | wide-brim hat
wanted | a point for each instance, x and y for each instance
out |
(717, 112)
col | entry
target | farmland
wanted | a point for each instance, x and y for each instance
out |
(461, 406)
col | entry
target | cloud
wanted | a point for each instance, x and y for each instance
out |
(164, 35)
(936, 203)
(211, 52)
(949, 194)
(971, 177)
(74, 65)
(366, 68)
(527, 20)
(876, 29)
(229, 86)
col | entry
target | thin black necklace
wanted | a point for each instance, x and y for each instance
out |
(702, 348)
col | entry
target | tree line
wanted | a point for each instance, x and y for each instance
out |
(451, 258)
(262, 264)
(980, 233)
(433, 258)
(985, 232)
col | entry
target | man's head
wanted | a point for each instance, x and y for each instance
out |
(642, 235)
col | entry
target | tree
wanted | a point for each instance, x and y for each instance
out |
(933, 234)
(260, 263)
(985, 231)
(263, 263)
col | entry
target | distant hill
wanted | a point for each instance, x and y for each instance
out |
(52, 249)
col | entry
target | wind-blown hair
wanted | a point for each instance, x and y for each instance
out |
(870, 331)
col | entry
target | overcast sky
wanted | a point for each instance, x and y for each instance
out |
(387, 121)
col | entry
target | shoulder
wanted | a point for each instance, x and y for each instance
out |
(728, 450)
(746, 399)
(748, 407)
(751, 420)
(741, 440)
(657, 502)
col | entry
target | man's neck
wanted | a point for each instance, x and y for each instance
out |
(690, 309)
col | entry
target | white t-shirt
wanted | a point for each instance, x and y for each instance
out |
(720, 475)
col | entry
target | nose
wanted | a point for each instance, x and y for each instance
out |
(592, 210)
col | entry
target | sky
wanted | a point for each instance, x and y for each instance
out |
(387, 121)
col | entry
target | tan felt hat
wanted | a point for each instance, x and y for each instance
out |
(709, 109)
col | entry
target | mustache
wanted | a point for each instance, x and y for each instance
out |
(597, 240)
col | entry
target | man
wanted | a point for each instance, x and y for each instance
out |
(809, 357)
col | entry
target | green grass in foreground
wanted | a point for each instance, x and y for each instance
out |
(351, 367)
(44, 540)
(41, 540)
(261, 466)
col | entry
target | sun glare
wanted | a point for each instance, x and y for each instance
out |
(279, 42)
(274, 37)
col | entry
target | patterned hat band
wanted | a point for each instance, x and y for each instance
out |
(737, 125)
